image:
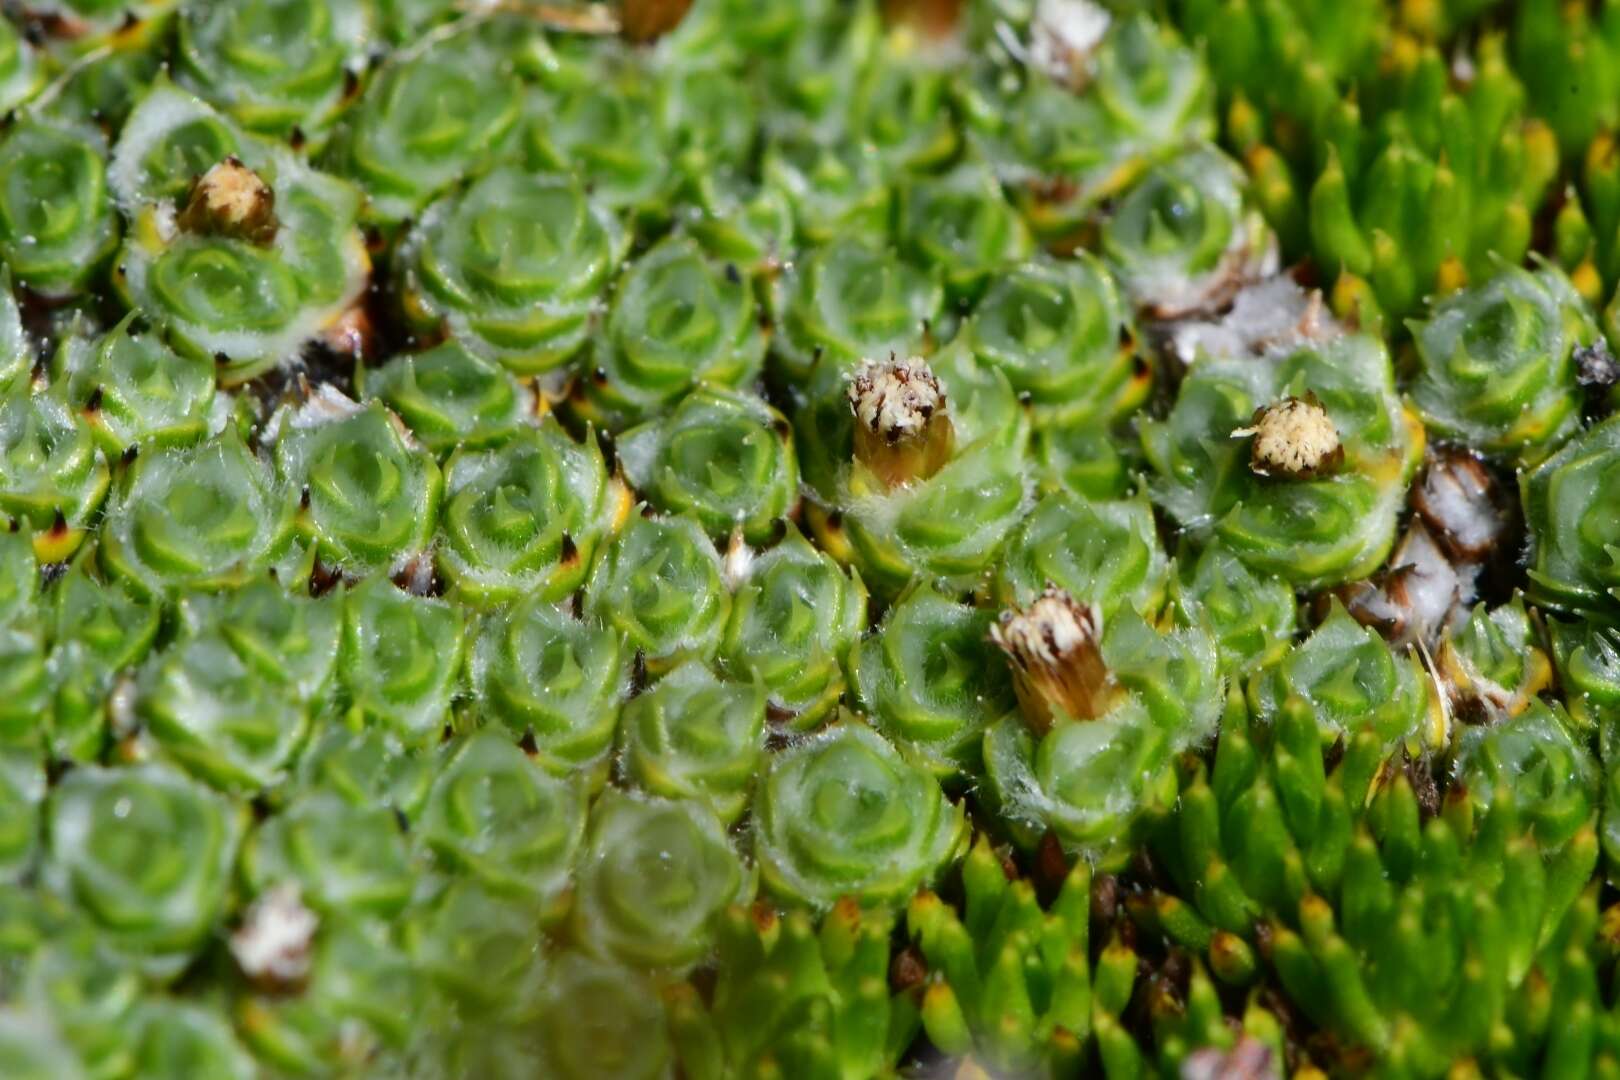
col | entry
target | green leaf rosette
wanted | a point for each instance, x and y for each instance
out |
(831, 190)
(693, 736)
(514, 267)
(483, 951)
(1496, 363)
(1182, 241)
(961, 226)
(1251, 616)
(1080, 127)
(603, 128)
(1152, 84)
(1569, 506)
(185, 1039)
(279, 68)
(962, 482)
(526, 518)
(133, 389)
(1086, 461)
(950, 527)
(555, 681)
(496, 815)
(817, 69)
(1535, 760)
(1060, 333)
(749, 226)
(368, 766)
(344, 858)
(372, 494)
(843, 813)
(16, 352)
(25, 685)
(22, 798)
(930, 680)
(1491, 664)
(52, 474)
(598, 1019)
(659, 584)
(653, 879)
(197, 518)
(57, 225)
(1353, 681)
(403, 21)
(708, 120)
(725, 457)
(400, 659)
(358, 1002)
(848, 301)
(451, 397)
(678, 319)
(19, 579)
(1088, 765)
(902, 107)
(59, 964)
(1311, 531)
(247, 292)
(21, 71)
(96, 630)
(282, 637)
(32, 1049)
(171, 139)
(219, 718)
(1054, 149)
(102, 86)
(1104, 554)
(795, 616)
(146, 852)
(1586, 654)
(431, 115)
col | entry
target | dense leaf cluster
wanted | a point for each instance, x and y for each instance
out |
(809, 538)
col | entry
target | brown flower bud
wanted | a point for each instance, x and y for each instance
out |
(647, 20)
(1055, 646)
(231, 199)
(903, 430)
(936, 19)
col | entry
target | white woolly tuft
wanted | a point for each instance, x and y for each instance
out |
(1269, 317)
(1054, 627)
(274, 941)
(1063, 36)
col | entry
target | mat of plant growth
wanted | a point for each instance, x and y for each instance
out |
(826, 539)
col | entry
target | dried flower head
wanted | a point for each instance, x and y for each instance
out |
(1294, 438)
(231, 199)
(1055, 646)
(903, 429)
